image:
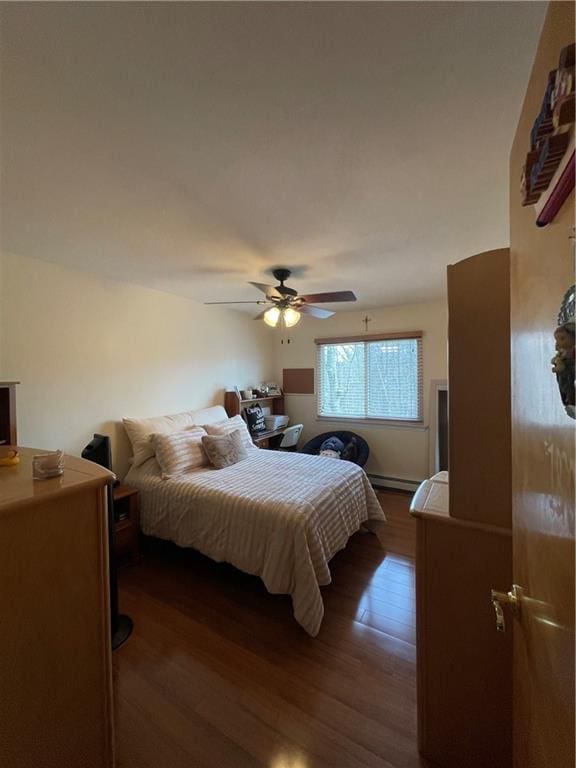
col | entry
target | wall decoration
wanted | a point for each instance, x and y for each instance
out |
(548, 176)
(366, 320)
(298, 381)
(563, 360)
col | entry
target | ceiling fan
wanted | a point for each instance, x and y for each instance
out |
(286, 305)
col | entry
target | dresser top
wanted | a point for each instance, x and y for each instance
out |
(432, 496)
(17, 487)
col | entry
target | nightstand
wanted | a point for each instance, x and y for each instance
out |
(127, 522)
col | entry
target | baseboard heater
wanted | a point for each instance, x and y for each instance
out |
(399, 483)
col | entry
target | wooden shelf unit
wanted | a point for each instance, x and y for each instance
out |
(235, 405)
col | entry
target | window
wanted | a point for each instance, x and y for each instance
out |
(370, 378)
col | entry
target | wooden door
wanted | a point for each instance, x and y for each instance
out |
(542, 270)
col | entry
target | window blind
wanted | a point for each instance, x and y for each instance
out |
(380, 378)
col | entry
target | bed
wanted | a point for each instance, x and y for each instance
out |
(280, 516)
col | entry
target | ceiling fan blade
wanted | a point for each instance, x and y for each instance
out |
(261, 301)
(269, 290)
(321, 314)
(325, 298)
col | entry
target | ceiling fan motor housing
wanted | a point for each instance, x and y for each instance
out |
(282, 274)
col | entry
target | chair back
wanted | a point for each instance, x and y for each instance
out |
(291, 436)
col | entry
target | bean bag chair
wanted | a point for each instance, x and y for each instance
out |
(313, 446)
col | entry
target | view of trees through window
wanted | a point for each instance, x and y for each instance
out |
(371, 380)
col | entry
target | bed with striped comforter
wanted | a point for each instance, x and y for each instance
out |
(280, 516)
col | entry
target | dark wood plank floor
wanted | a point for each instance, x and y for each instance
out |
(218, 673)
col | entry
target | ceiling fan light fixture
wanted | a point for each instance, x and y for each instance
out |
(271, 317)
(291, 317)
(287, 305)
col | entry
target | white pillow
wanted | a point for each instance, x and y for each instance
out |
(139, 431)
(230, 425)
(179, 452)
(210, 415)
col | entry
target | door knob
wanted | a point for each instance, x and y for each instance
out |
(512, 599)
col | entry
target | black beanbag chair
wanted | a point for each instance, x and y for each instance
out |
(355, 447)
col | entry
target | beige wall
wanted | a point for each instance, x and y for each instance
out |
(396, 451)
(1, 323)
(89, 351)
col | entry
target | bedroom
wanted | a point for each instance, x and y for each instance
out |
(159, 156)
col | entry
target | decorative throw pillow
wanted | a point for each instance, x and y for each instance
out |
(231, 425)
(140, 430)
(255, 418)
(179, 452)
(329, 454)
(224, 450)
(333, 444)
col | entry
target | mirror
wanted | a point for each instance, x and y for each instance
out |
(563, 360)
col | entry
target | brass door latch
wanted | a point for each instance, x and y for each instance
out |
(512, 599)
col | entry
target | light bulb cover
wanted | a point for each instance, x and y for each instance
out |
(271, 317)
(291, 317)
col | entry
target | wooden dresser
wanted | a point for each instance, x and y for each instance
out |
(465, 549)
(55, 654)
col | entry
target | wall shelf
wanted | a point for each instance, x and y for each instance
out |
(561, 184)
(260, 399)
(234, 404)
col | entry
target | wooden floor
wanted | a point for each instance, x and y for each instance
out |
(218, 673)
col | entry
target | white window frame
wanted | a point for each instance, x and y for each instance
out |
(367, 338)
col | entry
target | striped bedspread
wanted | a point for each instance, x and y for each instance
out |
(280, 516)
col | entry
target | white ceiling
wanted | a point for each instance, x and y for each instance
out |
(190, 147)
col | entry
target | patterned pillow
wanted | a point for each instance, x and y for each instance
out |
(179, 452)
(231, 425)
(224, 450)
